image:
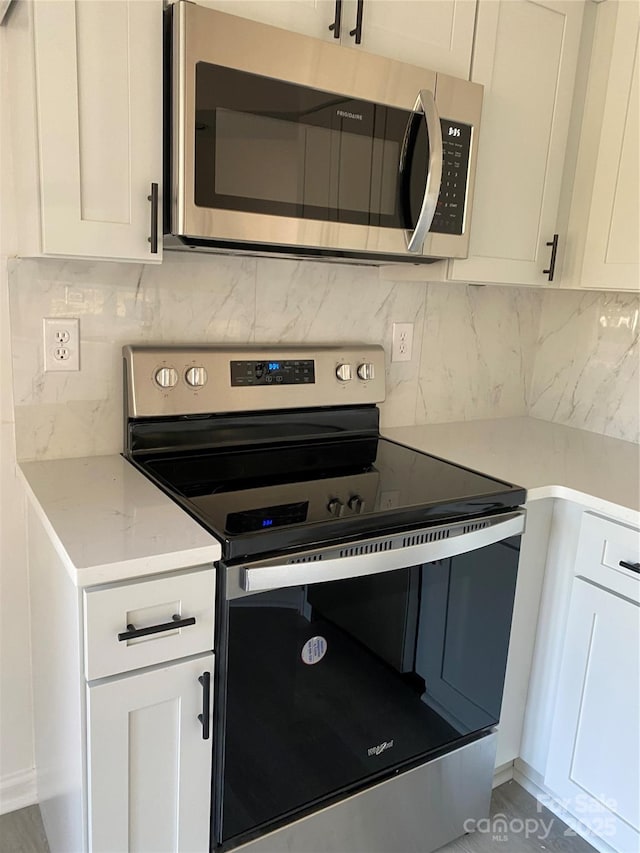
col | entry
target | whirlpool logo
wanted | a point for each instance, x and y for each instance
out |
(381, 747)
(345, 114)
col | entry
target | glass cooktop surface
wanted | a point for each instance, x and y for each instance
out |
(265, 498)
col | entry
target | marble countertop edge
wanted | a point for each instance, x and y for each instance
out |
(108, 523)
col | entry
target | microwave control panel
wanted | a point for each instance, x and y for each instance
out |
(456, 150)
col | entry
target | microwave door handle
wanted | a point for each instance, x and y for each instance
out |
(266, 577)
(426, 104)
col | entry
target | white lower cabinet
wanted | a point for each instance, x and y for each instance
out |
(149, 764)
(595, 742)
(123, 764)
(581, 739)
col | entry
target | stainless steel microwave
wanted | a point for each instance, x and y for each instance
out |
(284, 143)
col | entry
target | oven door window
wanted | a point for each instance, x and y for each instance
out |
(271, 147)
(334, 686)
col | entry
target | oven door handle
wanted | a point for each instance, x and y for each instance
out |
(265, 577)
(426, 105)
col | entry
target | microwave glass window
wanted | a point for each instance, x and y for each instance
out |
(308, 166)
(268, 146)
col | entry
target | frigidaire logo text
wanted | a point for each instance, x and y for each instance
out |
(376, 750)
(345, 114)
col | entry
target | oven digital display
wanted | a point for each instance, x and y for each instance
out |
(290, 372)
(263, 518)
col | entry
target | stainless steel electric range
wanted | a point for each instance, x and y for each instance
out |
(364, 597)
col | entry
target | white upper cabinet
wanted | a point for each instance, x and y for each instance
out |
(98, 112)
(604, 221)
(525, 55)
(309, 17)
(437, 34)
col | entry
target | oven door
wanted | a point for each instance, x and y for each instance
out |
(327, 687)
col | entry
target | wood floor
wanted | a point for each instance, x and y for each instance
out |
(525, 828)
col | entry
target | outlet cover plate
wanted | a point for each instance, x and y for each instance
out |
(61, 343)
(402, 342)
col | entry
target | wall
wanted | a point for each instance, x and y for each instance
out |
(17, 780)
(565, 356)
(587, 365)
(479, 352)
(188, 298)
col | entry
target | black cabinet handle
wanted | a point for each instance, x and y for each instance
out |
(357, 31)
(335, 26)
(132, 632)
(552, 263)
(205, 680)
(635, 567)
(153, 239)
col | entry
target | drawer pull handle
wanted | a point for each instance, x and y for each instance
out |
(205, 680)
(132, 632)
(635, 567)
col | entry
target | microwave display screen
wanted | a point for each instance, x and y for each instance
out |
(273, 147)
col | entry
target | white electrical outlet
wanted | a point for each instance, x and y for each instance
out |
(61, 343)
(402, 342)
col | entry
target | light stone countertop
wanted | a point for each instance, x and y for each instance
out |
(549, 460)
(108, 522)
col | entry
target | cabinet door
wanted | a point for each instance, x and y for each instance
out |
(595, 741)
(525, 55)
(612, 245)
(149, 768)
(309, 17)
(99, 94)
(438, 35)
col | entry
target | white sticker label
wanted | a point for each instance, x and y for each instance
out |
(314, 650)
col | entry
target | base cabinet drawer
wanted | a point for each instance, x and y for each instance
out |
(609, 554)
(149, 762)
(595, 741)
(144, 623)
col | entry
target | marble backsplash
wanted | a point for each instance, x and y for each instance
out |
(479, 352)
(188, 298)
(587, 363)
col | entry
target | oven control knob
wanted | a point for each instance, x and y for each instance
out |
(166, 377)
(356, 503)
(196, 377)
(343, 372)
(366, 371)
(336, 507)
